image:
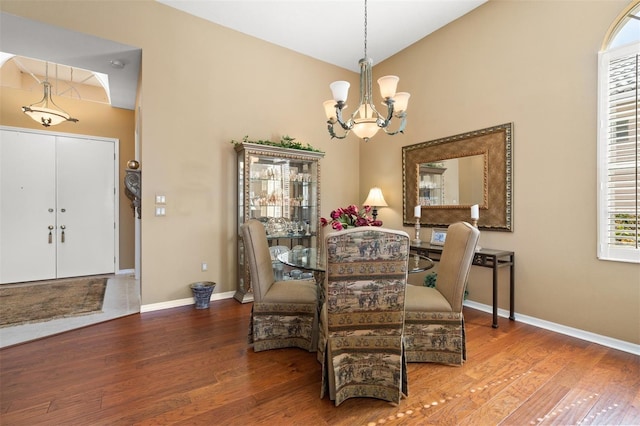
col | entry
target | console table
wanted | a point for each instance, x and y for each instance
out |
(487, 258)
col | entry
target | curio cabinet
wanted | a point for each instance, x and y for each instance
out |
(281, 188)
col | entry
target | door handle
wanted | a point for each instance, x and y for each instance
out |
(62, 234)
(50, 236)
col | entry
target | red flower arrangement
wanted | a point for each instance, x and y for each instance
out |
(351, 216)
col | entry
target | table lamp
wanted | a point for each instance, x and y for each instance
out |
(375, 199)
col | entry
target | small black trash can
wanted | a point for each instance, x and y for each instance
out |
(202, 293)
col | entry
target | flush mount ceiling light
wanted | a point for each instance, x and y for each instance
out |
(365, 121)
(45, 111)
(117, 64)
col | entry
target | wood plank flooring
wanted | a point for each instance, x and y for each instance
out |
(193, 367)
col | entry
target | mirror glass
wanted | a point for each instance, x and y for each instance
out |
(452, 182)
(446, 176)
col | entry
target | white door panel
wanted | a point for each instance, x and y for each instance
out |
(85, 206)
(74, 177)
(27, 194)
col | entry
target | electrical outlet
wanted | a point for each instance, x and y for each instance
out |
(204, 266)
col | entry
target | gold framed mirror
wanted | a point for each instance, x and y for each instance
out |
(446, 176)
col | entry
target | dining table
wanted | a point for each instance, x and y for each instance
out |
(311, 259)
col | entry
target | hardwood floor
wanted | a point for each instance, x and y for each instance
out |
(188, 366)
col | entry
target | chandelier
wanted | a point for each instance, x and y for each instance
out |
(45, 111)
(365, 121)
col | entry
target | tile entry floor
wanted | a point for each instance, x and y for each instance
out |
(122, 297)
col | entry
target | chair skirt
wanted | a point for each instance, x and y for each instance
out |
(353, 368)
(283, 325)
(435, 337)
(322, 334)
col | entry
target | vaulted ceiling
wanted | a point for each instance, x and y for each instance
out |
(330, 30)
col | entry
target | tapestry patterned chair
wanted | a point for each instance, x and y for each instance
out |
(363, 314)
(434, 324)
(284, 313)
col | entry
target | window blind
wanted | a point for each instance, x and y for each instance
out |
(620, 189)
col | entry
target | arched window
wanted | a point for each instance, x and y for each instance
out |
(618, 144)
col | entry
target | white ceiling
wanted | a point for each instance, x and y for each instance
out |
(332, 30)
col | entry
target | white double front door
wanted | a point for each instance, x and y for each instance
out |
(57, 206)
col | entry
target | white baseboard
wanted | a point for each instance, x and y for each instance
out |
(547, 325)
(182, 302)
(125, 271)
(562, 329)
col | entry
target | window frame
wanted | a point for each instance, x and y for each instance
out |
(605, 250)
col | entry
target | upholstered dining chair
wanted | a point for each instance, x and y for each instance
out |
(284, 313)
(363, 314)
(434, 324)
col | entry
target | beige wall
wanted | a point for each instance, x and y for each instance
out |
(526, 62)
(533, 63)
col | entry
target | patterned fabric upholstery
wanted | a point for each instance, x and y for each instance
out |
(363, 314)
(285, 313)
(434, 324)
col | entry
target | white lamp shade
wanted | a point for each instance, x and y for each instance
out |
(388, 85)
(365, 128)
(48, 115)
(340, 90)
(330, 109)
(402, 101)
(375, 198)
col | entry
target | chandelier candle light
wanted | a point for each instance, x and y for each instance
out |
(365, 121)
(417, 212)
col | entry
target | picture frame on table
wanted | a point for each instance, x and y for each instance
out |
(438, 236)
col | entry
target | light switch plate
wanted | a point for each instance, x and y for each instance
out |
(160, 211)
(161, 199)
